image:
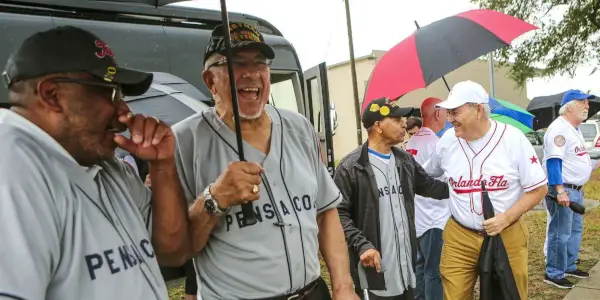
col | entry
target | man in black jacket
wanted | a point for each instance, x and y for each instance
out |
(378, 182)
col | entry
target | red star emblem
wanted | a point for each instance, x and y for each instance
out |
(533, 159)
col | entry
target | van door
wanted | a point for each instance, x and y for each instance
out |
(318, 110)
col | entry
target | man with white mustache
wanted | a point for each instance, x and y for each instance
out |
(569, 167)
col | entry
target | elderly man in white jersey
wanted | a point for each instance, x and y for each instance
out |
(479, 150)
(75, 219)
(294, 196)
(569, 167)
(430, 214)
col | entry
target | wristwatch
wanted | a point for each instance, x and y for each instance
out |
(211, 206)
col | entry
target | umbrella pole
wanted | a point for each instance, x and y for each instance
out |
(247, 208)
(443, 78)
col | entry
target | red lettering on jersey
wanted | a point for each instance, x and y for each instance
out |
(412, 151)
(104, 50)
(466, 186)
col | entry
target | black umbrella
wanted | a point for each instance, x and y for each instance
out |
(496, 279)
(545, 109)
(247, 208)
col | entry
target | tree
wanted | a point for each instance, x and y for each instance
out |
(560, 45)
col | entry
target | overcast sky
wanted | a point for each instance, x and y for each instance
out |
(317, 29)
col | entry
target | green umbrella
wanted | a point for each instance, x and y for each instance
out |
(511, 121)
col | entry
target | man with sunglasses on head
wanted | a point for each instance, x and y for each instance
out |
(75, 219)
(294, 196)
(476, 151)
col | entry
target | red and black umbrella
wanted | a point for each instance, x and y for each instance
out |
(439, 48)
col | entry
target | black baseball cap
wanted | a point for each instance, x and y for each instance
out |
(243, 36)
(70, 49)
(382, 108)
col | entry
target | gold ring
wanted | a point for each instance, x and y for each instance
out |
(255, 189)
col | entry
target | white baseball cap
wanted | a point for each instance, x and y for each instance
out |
(465, 92)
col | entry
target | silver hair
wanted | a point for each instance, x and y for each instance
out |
(212, 59)
(563, 110)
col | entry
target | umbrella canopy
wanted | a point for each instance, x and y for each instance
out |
(439, 48)
(545, 109)
(509, 113)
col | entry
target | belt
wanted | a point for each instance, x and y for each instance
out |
(572, 186)
(300, 294)
(481, 232)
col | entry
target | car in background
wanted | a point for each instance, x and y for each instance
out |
(591, 134)
(590, 130)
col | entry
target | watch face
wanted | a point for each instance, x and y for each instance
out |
(209, 205)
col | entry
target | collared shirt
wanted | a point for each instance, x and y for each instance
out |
(71, 232)
(396, 255)
(261, 260)
(503, 159)
(429, 213)
(565, 142)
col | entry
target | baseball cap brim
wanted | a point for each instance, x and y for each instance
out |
(132, 82)
(401, 112)
(451, 103)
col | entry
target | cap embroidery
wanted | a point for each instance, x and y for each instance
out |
(243, 32)
(109, 76)
(374, 107)
(384, 110)
(104, 49)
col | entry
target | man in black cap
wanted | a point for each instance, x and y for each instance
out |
(378, 182)
(75, 220)
(293, 195)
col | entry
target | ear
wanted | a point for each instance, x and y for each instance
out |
(208, 78)
(49, 96)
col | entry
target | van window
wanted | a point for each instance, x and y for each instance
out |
(589, 131)
(285, 91)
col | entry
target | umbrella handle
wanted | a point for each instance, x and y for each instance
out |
(247, 208)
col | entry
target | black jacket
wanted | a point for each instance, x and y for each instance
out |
(496, 279)
(359, 210)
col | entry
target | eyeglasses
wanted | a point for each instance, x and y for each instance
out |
(260, 63)
(115, 91)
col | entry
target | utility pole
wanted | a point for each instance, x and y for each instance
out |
(353, 70)
(492, 87)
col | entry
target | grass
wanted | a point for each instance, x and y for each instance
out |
(536, 222)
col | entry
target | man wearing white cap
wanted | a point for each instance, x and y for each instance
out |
(478, 149)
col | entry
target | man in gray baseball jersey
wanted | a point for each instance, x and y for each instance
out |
(293, 194)
(74, 218)
(379, 182)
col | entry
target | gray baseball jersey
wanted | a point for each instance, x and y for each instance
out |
(70, 232)
(261, 260)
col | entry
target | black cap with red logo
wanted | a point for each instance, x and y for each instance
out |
(71, 49)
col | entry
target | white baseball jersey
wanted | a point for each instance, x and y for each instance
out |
(69, 232)
(429, 213)
(503, 158)
(564, 141)
(261, 260)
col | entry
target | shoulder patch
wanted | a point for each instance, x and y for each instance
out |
(559, 140)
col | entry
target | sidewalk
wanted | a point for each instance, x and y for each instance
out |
(587, 289)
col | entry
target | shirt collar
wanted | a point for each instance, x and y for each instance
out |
(11, 118)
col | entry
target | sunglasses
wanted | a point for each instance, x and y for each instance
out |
(109, 90)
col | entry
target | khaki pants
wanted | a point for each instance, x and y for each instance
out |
(460, 256)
